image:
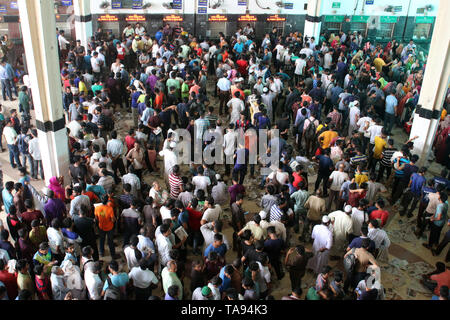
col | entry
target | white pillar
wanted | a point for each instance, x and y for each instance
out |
(37, 19)
(83, 21)
(434, 86)
(313, 19)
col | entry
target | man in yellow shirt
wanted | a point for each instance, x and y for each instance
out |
(327, 137)
(380, 143)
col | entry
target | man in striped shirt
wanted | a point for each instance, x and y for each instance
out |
(386, 163)
(175, 182)
(275, 213)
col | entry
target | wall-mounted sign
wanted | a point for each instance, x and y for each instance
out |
(202, 3)
(275, 18)
(108, 18)
(360, 19)
(218, 18)
(66, 3)
(3, 8)
(424, 19)
(173, 18)
(369, 2)
(398, 9)
(336, 5)
(137, 4)
(334, 18)
(202, 10)
(242, 2)
(116, 4)
(248, 18)
(135, 18)
(177, 4)
(289, 6)
(388, 19)
(13, 5)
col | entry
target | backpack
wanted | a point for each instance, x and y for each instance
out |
(112, 292)
(311, 130)
(350, 262)
(22, 144)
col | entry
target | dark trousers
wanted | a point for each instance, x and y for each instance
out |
(443, 244)
(103, 235)
(224, 96)
(239, 174)
(118, 165)
(389, 120)
(296, 279)
(410, 199)
(142, 294)
(322, 177)
(421, 221)
(397, 188)
(37, 168)
(381, 172)
(276, 264)
(6, 89)
(435, 233)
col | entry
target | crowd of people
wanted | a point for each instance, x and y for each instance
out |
(329, 107)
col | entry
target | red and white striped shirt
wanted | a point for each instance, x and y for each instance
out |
(175, 183)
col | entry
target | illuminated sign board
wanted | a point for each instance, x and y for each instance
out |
(13, 5)
(173, 18)
(275, 18)
(135, 18)
(247, 17)
(218, 18)
(177, 4)
(137, 4)
(108, 18)
(3, 8)
(66, 3)
(116, 4)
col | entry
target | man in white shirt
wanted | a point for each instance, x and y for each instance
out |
(170, 159)
(342, 228)
(353, 116)
(337, 179)
(323, 241)
(236, 106)
(143, 280)
(164, 244)
(95, 64)
(208, 231)
(35, 152)
(212, 212)
(229, 147)
(201, 182)
(62, 42)
(94, 283)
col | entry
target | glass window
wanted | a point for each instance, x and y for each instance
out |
(359, 26)
(422, 31)
(385, 30)
(332, 26)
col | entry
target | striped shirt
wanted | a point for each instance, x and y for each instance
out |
(275, 213)
(201, 125)
(175, 183)
(354, 161)
(387, 156)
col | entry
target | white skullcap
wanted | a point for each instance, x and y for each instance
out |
(325, 219)
(173, 145)
(348, 208)
(263, 214)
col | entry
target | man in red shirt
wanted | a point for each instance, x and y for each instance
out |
(175, 182)
(242, 65)
(31, 214)
(130, 139)
(297, 176)
(9, 280)
(381, 214)
(436, 279)
(194, 224)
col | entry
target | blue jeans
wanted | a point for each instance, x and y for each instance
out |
(110, 234)
(389, 120)
(26, 156)
(155, 139)
(14, 155)
(37, 166)
(6, 89)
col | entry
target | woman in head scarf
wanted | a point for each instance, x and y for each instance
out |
(56, 186)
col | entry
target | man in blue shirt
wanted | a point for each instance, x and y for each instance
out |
(6, 80)
(326, 166)
(226, 274)
(442, 179)
(117, 279)
(391, 109)
(8, 199)
(238, 47)
(159, 35)
(217, 246)
(416, 183)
